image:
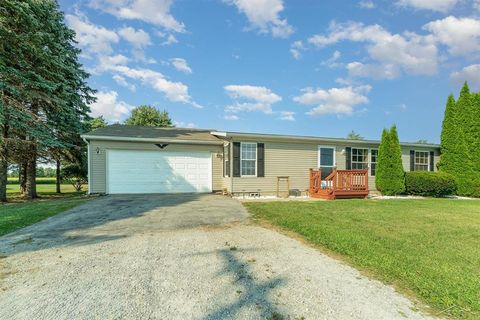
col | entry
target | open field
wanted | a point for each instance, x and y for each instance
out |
(426, 248)
(44, 189)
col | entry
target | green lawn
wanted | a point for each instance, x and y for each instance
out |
(45, 189)
(20, 213)
(428, 248)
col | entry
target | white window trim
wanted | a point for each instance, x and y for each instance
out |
(256, 160)
(370, 161)
(334, 155)
(421, 164)
(368, 157)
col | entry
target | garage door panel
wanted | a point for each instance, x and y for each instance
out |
(136, 171)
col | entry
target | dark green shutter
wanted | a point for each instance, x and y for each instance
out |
(260, 160)
(348, 154)
(236, 159)
(412, 160)
(432, 155)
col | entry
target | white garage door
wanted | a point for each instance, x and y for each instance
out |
(135, 171)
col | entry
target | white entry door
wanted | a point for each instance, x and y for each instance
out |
(138, 171)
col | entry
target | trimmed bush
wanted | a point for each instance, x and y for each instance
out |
(432, 184)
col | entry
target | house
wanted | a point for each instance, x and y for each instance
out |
(134, 159)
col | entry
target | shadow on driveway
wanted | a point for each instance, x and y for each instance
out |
(119, 216)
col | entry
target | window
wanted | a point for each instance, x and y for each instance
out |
(248, 159)
(326, 160)
(359, 158)
(421, 160)
(226, 161)
(373, 161)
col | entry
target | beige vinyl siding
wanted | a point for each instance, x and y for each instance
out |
(281, 159)
(97, 182)
(295, 159)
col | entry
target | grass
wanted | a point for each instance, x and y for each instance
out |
(19, 213)
(45, 189)
(429, 248)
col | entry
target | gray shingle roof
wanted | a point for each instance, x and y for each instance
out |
(124, 131)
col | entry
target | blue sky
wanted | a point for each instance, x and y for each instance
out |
(319, 68)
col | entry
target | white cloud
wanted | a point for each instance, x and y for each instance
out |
(410, 52)
(251, 98)
(108, 106)
(434, 5)
(366, 4)
(471, 74)
(264, 15)
(460, 35)
(156, 12)
(296, 49)
(287, 115)
(106, 63)
(174, 91)
(332, 61)
(170, 40)
(123, 82)
(181, 65)
(92, 38)
(138, 38)
(231, 117)
(375, 71)
(334, 100)
(181, 124)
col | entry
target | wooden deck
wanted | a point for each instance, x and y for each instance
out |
(340, 184)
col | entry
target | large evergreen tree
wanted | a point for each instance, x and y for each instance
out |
(149, 116)
(44, 94)
(389, 174)
(460, 140)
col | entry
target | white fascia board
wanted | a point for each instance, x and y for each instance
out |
(153, 140)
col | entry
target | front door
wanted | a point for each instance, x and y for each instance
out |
(326, 160)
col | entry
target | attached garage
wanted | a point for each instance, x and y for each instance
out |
(131, 159)
(140, 171)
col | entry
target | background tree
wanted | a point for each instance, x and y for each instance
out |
(98, 122)
(389, 174)
(149, 116)
(354, 136)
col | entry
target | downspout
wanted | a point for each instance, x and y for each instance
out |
(230, 163)
(88, 164)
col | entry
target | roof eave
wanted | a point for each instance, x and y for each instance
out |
(312, 139)
(153, 140)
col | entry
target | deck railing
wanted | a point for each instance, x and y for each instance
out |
(342, 183)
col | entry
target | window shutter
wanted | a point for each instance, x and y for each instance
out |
(236, 159)
(432, 157)
(260, 160)
(412, 160)
(348, 154)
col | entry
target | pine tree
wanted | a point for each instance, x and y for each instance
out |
(390, 177)
(44, 94)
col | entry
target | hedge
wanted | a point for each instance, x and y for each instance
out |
(433, 184)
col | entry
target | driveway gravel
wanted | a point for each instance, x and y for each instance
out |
(178, 257)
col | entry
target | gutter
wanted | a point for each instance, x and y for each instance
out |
(153, 140)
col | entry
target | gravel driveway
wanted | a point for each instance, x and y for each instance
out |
(178, 257)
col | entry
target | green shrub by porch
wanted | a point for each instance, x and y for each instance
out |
(430, 184)
(389, 177)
